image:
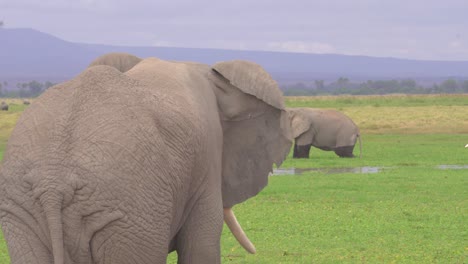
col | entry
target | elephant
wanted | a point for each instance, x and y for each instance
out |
(325, 129)
(26, 102)
(119, 60)
(126, 167)
(4, 106)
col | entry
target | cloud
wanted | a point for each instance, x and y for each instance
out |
(324, 26)
(456, 44)
(456, 50)
(300, 46)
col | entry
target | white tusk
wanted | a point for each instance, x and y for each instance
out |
(237, 231)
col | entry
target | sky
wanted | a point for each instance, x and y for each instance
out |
(413, 29)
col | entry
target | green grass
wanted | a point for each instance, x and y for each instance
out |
(406, 215)
(4, 258)
(397, 100)
(411, 212)
(393, 150)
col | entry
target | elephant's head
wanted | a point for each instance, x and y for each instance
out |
(121, 61)
(300, 126)
(255, 127)
(256, 131)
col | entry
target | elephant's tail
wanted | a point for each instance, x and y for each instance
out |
(51, 201)
(360, 146)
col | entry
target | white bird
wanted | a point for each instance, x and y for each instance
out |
(466, 146)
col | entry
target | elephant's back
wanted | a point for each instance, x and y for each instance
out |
(345, 121)
(139, 127)
(328, 117)
(107, 124)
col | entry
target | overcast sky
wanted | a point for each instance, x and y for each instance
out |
(416, 29)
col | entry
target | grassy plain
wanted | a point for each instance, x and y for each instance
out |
(409, 212)
(397, 114)
(8, 120)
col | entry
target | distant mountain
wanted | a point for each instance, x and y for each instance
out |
(30, 54)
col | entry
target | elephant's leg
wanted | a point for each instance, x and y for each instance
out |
(301, 151)
(198, 241)
(295, 150)
(345, 152)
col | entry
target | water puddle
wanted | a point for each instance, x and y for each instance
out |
(296, 171)
(453, 167)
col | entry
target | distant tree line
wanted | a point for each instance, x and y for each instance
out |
(26, 89)
(341, 86)
(344, 86)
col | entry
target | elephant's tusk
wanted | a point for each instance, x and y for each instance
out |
(237, 231)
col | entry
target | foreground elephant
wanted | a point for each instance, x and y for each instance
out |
(115, 167)
(325, 129)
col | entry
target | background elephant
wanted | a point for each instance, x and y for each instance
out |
(121, 61)
(325, 129)
(114, 167)
(4, 106)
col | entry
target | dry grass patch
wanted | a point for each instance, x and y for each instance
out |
(410, 120)
(9, 118)
(398, 113)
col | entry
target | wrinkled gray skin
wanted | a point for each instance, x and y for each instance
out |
(4, 106)
(115, 167)
(325, 129)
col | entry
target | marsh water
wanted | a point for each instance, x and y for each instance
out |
(453, 167)
(362, 170)
(297, 171)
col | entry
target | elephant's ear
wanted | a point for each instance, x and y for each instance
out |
(300, 126)
(121, 61)
(251, 79)
(256, 131)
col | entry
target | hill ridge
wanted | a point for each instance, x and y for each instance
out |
(28, 53)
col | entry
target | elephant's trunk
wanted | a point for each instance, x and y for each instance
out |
(237, 231)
